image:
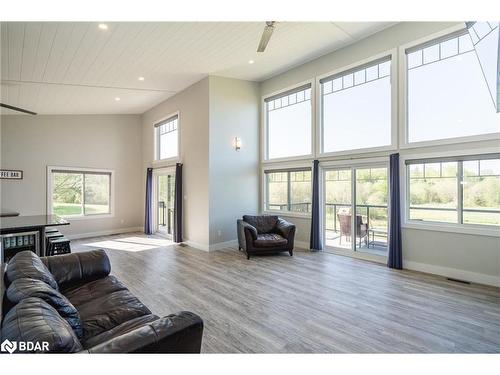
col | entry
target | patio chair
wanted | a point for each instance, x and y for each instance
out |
(345, 228)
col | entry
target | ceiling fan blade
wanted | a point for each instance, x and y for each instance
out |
(18, 109)
(266, 35)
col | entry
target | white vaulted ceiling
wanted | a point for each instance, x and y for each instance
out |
(77, 68)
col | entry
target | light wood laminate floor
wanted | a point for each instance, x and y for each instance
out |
(311, 302)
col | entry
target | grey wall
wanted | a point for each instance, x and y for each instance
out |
(31, 143)
(472, 257)
(192, 103)
(234, 175)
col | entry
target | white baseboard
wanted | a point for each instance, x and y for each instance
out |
(223, 245)
(454, 273)
(104, 233)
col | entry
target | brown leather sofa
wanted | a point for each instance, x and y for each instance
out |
(265, 234)
(73, 303)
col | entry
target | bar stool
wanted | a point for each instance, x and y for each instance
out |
(48, 237)
(58, 246)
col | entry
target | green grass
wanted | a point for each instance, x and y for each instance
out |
(72, 209)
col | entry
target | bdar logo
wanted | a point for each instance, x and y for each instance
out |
(8, 346)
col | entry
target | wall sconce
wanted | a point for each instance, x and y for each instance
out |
(237, 143)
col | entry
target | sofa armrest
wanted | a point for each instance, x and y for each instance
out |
(247, 228)
(285, 228)
(77, 268)
(176, 333)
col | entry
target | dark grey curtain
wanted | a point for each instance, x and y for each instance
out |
(395, 259)
(178, 204)
(148, 220)
(315, 241)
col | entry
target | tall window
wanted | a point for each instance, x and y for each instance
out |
(448, 95)
(289, 123)
(356, 108)
(463, 191)
(79, 193)
(288, 190)
(167, 138)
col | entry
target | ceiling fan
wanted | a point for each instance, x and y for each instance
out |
(266, 35)
(18, 109)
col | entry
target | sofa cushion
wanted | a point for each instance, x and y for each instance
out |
(27, 264)
(108, 311)
(263, 223)
(78, 268)
(270, 240)
(24, 288)
(122, 329)
(82, 294)
(35, 320)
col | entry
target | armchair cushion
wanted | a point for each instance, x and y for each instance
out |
(27, 264)
(270, 240)
(284, 227)
(263, 223)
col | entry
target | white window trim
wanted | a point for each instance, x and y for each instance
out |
(174, 159)
(474, 229)
(393, 53)
(375, 162)
(281, 166)
(264, 124)
(111, 214)
(403, 95)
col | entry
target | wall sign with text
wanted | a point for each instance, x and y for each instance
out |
(11, 174)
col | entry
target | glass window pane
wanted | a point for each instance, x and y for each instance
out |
(471, 168)
(385, 69)
(277, 191)
(416, 170)
(490, 167)
(481, 194)
(449, 169)
(168, 140)
(434, 198)
(372, 73)
(97, 194)
(449, 48)
(432, 170)
(431, 54)
(300, 191)
(414, 59)
(440, 106)
(358, 117)
(289, 128)
(348, 80)
(338, 208)
(359, 77)
(337, 84)
(67, 193)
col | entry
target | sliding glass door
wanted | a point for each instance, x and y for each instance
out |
(165, 195)
(363, 190)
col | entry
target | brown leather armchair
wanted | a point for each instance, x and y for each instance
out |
(265, 234)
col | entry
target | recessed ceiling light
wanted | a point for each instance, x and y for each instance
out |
(141, 78)
(103, 26)
(117, 99)
(251, 61)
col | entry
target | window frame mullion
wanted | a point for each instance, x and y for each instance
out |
(460, 192)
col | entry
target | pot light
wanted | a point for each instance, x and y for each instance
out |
(251, 61)
(103, 26)
(117, 99)
(141, 78)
